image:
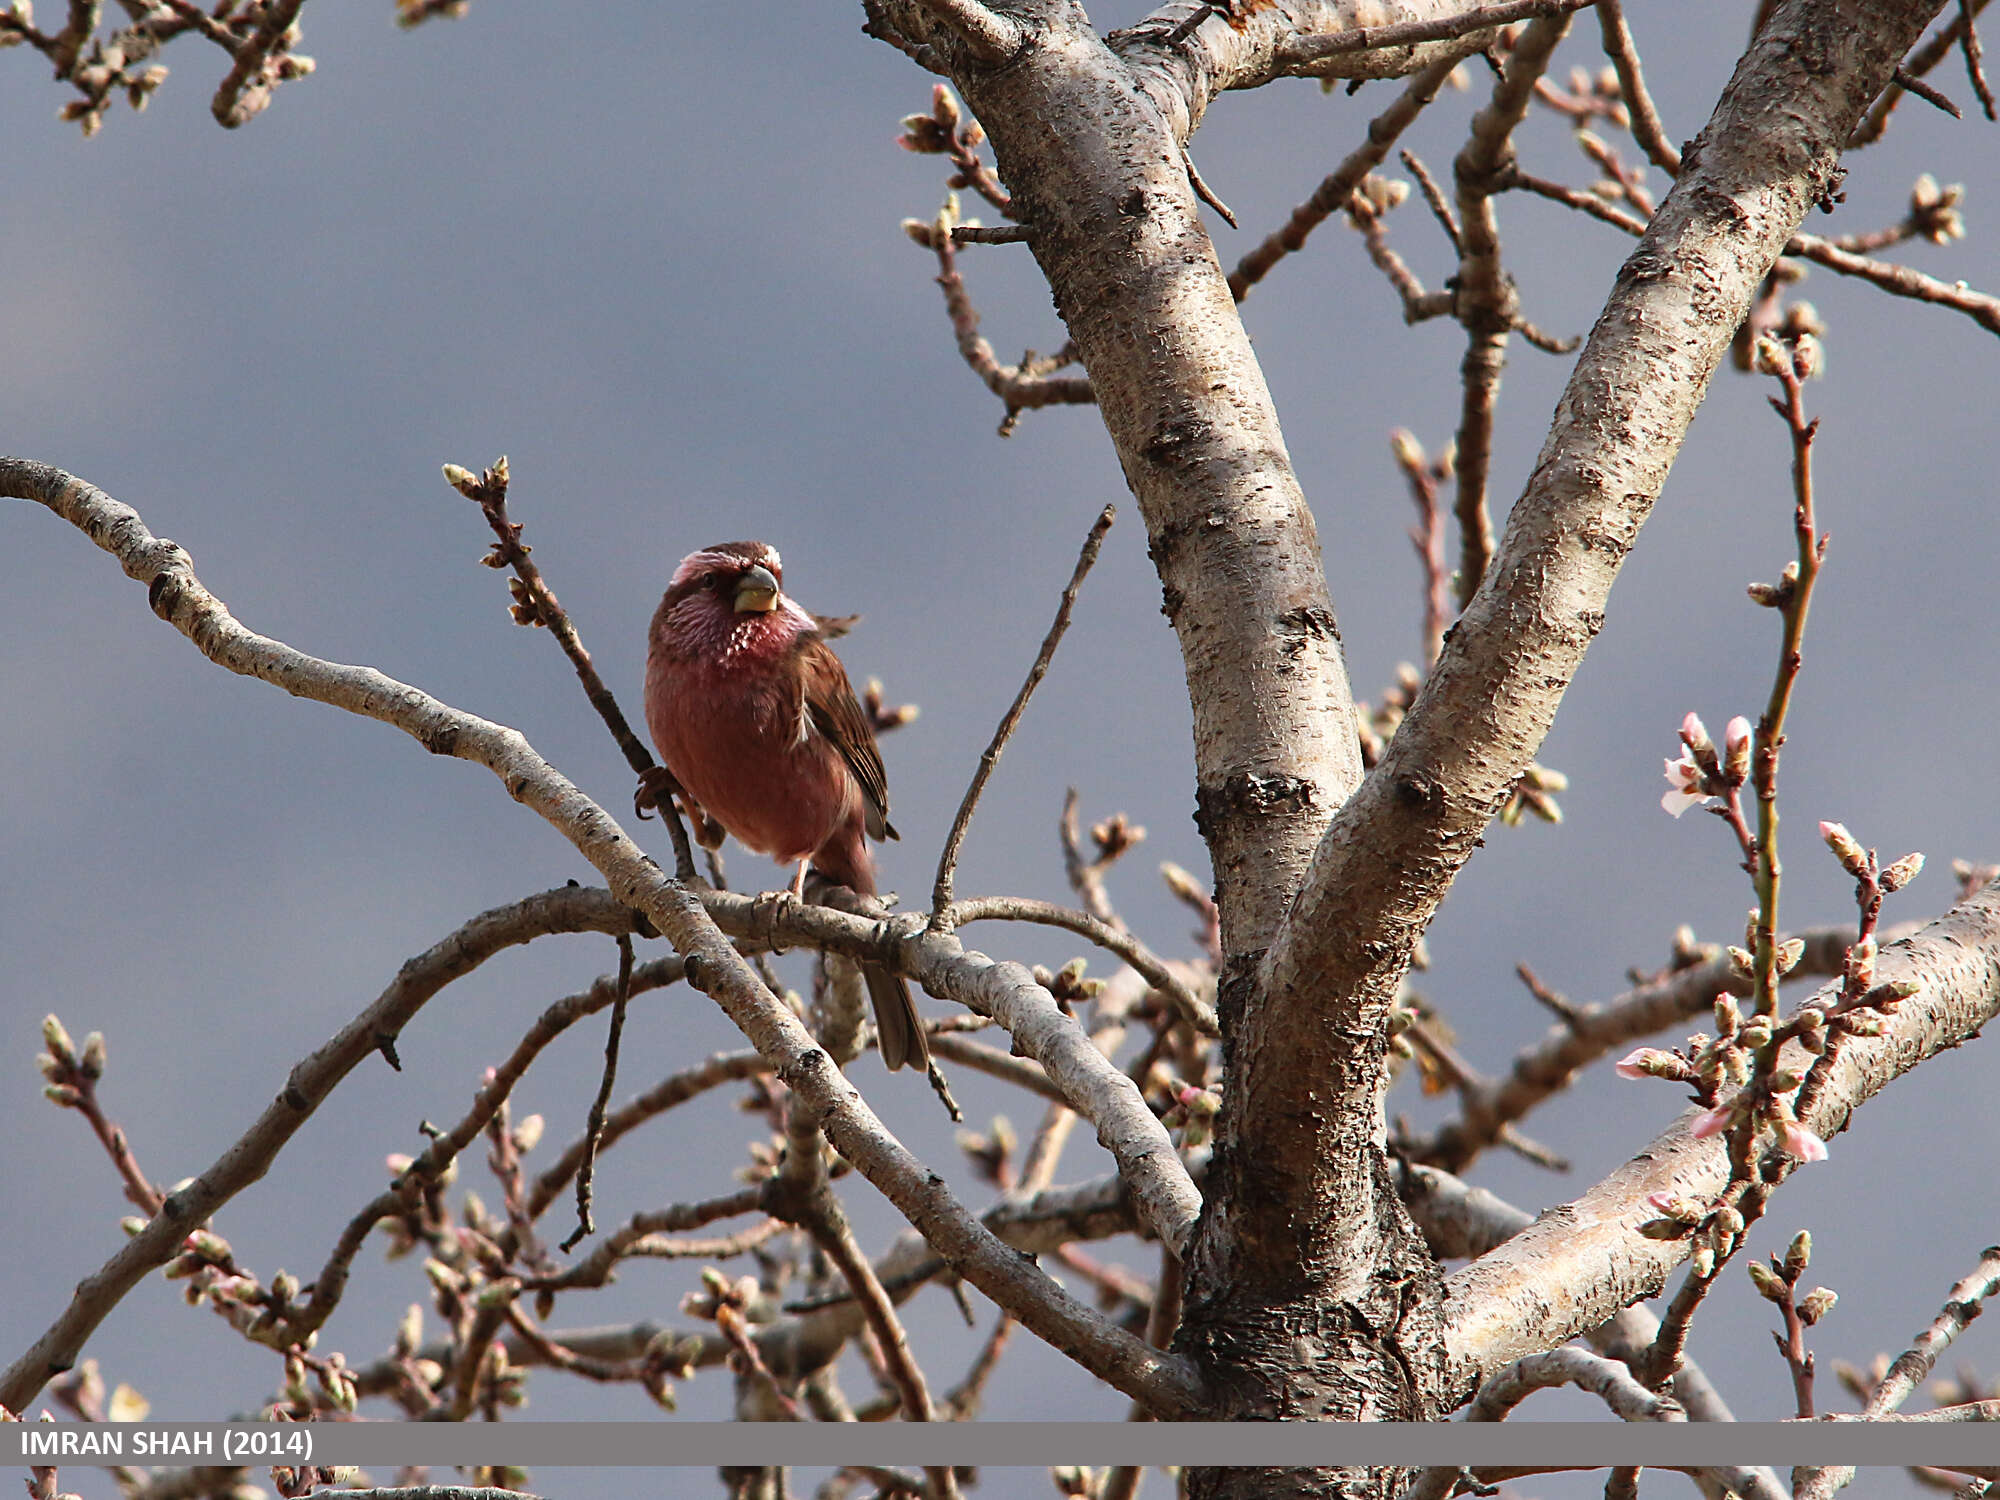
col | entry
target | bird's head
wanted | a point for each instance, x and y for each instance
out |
(732, 584)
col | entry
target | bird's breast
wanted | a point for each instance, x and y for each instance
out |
(739, 739)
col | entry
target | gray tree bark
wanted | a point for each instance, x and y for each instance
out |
(1309, 1294)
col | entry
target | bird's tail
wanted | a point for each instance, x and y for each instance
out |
(897, 1025)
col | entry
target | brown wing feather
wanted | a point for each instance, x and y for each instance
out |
(835, 713)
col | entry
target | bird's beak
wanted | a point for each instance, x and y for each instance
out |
(756, 591)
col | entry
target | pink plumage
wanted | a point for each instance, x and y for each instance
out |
(755, 719)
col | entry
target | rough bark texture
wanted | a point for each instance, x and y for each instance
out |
(1583, 1261)
(1093, 158)
(1292, 1172)
(1309, 1293)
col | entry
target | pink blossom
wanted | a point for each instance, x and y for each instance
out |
(1712, 1122)
(1795, 1140)
(1634, 1063)
(1684, 780)
(1693, 731)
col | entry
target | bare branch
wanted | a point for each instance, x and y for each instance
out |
(1487, 304)
(1393, 848)
(1166, 1382)
(1901, 281)
(988, 35)
(1339, 185)
(1606, 1379)
(1915, 1363)
(1499, 1307)
(1189, 1006)
(941, 919)
(1594, 1031)
(1624, 54)
(1301, 53)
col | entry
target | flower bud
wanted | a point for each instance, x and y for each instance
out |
(1888, 996)
(1798, 1255)
(1795, 1140)
(528, 1134)
(1736, 749)
(410, 1330)
(1789, 954)
(1853, 858)
(1728, 1014)
(1770, 1286)
(1770, 355)
(1807, 357)
(1817, 1304)
(1651, 1062)
(1894, 877)
(1860, 964)
(944, 108)
(56, 1039)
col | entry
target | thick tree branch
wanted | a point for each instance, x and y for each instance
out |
(177, 595)
(1090, 148)
(1592, 1031)
(1767, 155)
(1579, 1263)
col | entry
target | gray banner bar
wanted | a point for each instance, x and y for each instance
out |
(1004, 1444)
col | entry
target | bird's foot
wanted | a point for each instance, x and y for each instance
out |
(656, 784)
(769, 910)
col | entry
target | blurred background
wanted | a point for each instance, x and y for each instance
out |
(652, 254)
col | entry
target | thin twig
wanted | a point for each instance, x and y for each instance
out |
(1021, 387)
(948, 860)
(594, 1129)
(1487, 304)
(1969, 43)
(536, 604)
(1919, 63)
(1647, 129)
(1936, 98)
(1434, 196)
(1334, 192)
(1900, 281)
(1913, 1364)
(597, 1268)
(1302, 52)
(1187, 1005)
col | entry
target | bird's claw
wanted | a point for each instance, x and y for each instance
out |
(770, 909)
(656, 784)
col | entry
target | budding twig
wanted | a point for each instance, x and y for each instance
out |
(948, 860)
(536, 604)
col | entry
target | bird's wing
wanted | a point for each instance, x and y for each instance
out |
(831, 704)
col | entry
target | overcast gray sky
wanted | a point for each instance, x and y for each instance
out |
(651, 252)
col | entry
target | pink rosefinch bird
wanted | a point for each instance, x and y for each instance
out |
(754, 717)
